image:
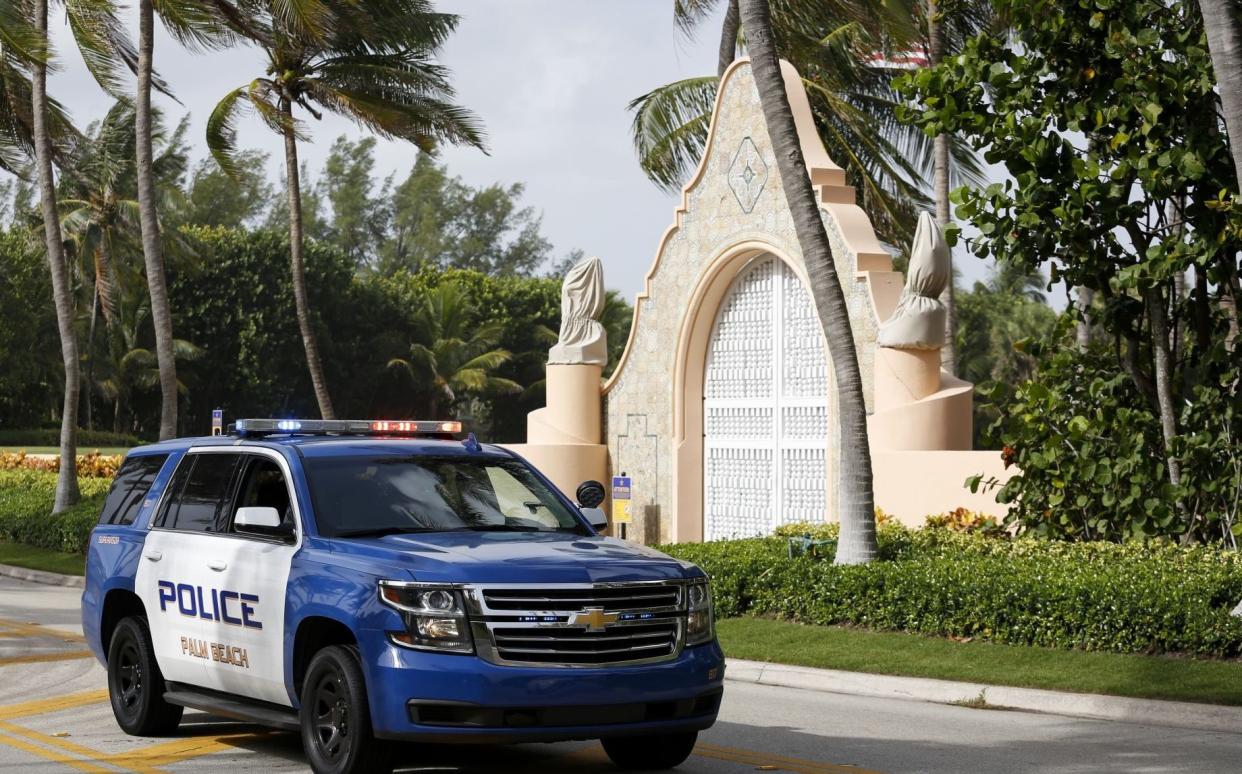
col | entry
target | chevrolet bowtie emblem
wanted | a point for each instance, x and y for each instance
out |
(593, 618)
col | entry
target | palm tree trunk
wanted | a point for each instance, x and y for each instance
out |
(90, 358)
(67, 493)
(157, 284)
(728, 39)
(856, 502)
(1224, 34)
(298, 265)
(940, 182)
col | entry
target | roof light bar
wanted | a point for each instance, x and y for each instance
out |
(345, 427)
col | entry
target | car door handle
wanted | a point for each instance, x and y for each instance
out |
(217, 565)
(154, 556)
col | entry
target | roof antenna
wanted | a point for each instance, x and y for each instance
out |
(472, 444)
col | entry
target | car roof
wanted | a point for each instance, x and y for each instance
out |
(332, 445)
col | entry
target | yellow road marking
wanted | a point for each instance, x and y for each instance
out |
(38, 630)
(54, 704)
(50, 755)
(64, 744)
(145, 760)
(781, 762)
(38, 658)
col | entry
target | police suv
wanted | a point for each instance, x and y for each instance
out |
(369, 581)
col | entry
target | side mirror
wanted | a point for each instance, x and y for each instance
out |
(256, 518)
(596, 517)
(590, 494)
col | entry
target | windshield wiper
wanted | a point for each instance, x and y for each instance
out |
(382, 531)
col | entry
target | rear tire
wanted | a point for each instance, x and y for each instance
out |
(650, 753)
(336, 719)
(135, 683)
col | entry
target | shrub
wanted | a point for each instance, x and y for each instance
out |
(1128, 598)
(92, 465)
(26, 498)
(87, 439)
(963, 520)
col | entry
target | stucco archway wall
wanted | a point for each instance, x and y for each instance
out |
(726, 217)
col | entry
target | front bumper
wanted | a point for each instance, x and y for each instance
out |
(432, 697)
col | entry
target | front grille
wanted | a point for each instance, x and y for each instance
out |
(610, 598)
(640, 622)
(574, 645)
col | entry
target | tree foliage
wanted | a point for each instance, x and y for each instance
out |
(1105, 117)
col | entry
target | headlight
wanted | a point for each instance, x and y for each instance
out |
(434, 616)
(700, 627)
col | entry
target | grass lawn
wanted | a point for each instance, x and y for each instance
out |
(106, 451)
(890, 653)
(41, 559)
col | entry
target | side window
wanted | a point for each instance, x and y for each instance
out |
(172, 493)
(130, 487)
(263, 486)
(208, 486)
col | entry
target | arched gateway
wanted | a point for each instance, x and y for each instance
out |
(722, 411)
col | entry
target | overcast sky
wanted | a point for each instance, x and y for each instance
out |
(550, 81)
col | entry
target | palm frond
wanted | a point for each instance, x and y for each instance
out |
(487, 361)
(670, 129)
(688, 14)
(222, 130)
(104, 43)
(193, 24)
(425, 121)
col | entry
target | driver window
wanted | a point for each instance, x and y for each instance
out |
(263, 486)
(516, 501)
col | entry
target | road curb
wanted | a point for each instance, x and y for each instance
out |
(1174, 714)
(40, 576)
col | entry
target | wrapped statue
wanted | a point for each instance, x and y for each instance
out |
(918, 322)
(582, 338)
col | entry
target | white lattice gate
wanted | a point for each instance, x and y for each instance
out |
(765, 416)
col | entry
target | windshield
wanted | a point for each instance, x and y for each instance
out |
(381, 495)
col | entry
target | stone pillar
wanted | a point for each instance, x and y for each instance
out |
(563, 439)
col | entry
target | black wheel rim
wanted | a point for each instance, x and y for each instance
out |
(129, 677)
(330, 710)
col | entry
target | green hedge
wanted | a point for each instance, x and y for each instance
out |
(26, 498)
(87, 439)
(1125, 598)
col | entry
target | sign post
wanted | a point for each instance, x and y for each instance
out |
(217, 421)
(621, 502)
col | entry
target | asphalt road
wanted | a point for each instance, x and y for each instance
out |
(54, 716)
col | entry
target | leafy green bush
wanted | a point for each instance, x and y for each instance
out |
(1127, 598)
(26, 498)
(87, 439)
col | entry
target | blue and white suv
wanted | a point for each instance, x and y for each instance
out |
(369, 581)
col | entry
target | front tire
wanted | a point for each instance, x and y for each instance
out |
(336, 719)
(135, 683)
(650, 753)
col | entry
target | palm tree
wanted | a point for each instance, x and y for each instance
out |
(1224, 34)
(858, 537)
(67, 493)
(131, 367)
(100, 217)
(371, 62)
(192, 23)
(854, 105)
(454, 355)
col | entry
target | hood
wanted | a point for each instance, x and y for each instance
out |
(517, 557)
